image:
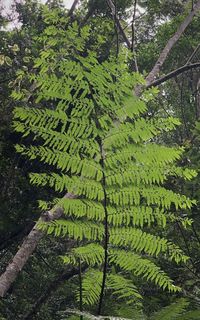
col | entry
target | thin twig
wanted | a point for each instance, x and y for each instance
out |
(193, 54)
(112, 8)
(80, 289)
(133, 36)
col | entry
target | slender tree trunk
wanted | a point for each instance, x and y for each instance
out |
(26, 249)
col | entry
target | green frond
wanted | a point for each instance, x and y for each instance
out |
(136, 174)
(146, 154)
(73, 163)
(92, 190)
(186, 174)
(160, 196)
(91, 254)
(173, 311)
(82, 208)
(141, 241)
(140, 131)
(129, 261)
(124, 133)
(166, 124)
(92, 281)
(165, 198)
(63, 141)
(136, 216)
(123, 288)
(131, 107)
(78, 230)
(190, 315)
(47, 120)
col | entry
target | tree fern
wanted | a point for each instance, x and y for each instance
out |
(98, 146)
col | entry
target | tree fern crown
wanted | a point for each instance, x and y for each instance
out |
(90, 132)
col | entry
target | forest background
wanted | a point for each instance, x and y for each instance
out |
(45, 286)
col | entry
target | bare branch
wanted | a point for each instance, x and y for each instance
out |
(170, 44)
(173, 74)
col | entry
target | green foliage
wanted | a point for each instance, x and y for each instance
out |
(173, 311)
(91, 287)
(96, 145)
(176, 311)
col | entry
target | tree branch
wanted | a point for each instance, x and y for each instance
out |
(173, 74)
(133, 37)
(116, 19)
(26, 249)
(193, 54)
(170, 44)
(71, 11)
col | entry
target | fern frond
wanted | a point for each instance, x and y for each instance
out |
(80, 186)
(73, 163)
(76, 230)
(136, 174)
(129, 261)
(140, 131)
(82, 208)
(173, 311)
(141, 241)
(91, 285)
(92, 254)
(153, 195)
(146, 154)
(79, 127)
(62, 141)
(90, 134)
(190, 315)
(131, 107)
(123, 288)
(136, 216)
